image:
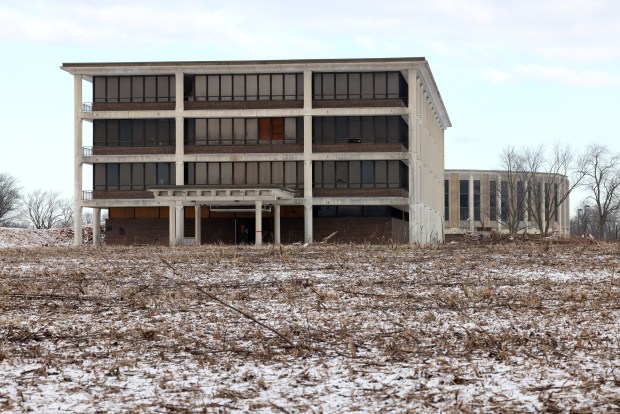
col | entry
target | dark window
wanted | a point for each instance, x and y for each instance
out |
(493, 200)
(464, 199)
(477, 200)
(446, 198)
(504, 200)
(112, 176)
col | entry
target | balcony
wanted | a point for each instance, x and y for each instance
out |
(87, 106)
(87, 151)
(87, 195)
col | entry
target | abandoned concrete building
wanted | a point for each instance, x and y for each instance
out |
(478, 200)
(260, 151)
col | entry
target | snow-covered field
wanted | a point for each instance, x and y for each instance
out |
(521, 327)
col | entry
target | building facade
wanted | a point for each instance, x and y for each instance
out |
(478, 200)
(253, 151)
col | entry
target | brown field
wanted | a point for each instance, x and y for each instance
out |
(463, 327)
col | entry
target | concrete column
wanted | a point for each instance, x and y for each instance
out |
(258, 224)
(412, 157)
(308, 232)
(96, 227)
(172, 227)
(543, 218)
(197, 224)
(180, 225)
(77, 160)
(498, 202)
(526, 215)
(308, 195)
(276, 224)
(470, 205)
(179, 129)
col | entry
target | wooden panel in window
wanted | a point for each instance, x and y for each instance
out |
(147, 212)
(277, 128)
(264, 129)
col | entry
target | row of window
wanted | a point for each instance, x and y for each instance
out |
(360, 174)
(522, 197)
(249, 131)
(132, 176)
(359, 129)
(327, 174)
(114, 89)
(244, 87)
(282, 173)
(250, 87)
(243, 131)
(364, 85)
(134, 132)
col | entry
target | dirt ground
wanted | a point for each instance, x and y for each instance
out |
(520, 326)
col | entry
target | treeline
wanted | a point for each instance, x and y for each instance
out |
(39, 209)
(533, 172)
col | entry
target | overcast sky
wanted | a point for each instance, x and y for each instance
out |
(520, 72)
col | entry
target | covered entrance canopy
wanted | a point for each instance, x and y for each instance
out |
(177, 197)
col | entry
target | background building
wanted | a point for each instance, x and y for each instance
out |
(252, 151)
(502, 201)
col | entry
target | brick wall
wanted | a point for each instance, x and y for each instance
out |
(245, 105)
(358, 147)
(137, 231)
(222, 230)
(133, 150)
(243, 149)
(134, 106)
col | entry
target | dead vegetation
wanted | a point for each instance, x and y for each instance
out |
(463, 327)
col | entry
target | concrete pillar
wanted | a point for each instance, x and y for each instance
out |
(470, 204)
(172, 227)
(308, 232)
(96, 227)
(526, 215)
(412, 157)
(543, 218)
(308, 195)
(276, 224)
(180, 225)
(498, 202)
(258, 224)
(77, 160)
(179, 129)
(197, 224)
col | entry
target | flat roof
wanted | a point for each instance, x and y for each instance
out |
(242, 62)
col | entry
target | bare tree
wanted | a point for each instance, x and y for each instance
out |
(533, 184)
(602, 180)
(45, 209)
(519, 168)
(9, 198)
(547, 195)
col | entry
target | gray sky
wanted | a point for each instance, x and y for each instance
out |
(510, 72)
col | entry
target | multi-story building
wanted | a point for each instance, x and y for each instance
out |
(253, 151)
(506, 202)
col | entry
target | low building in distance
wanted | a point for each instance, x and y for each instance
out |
(503, 201)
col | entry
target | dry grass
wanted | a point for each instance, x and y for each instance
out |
(526, 326)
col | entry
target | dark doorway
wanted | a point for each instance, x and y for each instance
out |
(245, 231)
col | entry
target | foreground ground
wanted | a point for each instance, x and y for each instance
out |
(526, 326)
